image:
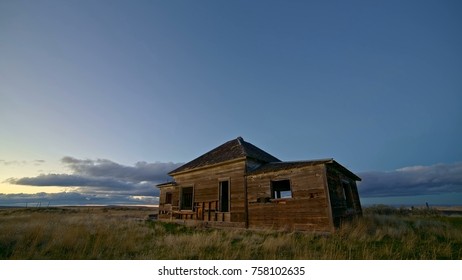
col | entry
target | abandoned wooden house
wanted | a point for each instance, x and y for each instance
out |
(239, 185)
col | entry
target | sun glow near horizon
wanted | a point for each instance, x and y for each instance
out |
(6, 188)
(13, 169)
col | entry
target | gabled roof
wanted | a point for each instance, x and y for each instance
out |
(285, 165)
(234, 149)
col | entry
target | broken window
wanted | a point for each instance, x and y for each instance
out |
(224, 196)
(187, 198)
(281, 189)
(168, 198)
(347, 194)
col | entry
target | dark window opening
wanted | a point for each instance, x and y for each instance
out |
(281, 189)
(187, 198)
(224, 196)
(168, 198)
(347, 194)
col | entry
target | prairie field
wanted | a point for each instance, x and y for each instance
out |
(81, 233)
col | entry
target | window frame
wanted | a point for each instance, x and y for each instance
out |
(277, 194)
(220, 195)
(168, 197)
(347, 194)
(182, 198)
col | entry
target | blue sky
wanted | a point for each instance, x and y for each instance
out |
(143, 86)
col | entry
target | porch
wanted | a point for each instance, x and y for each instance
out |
(202, 211)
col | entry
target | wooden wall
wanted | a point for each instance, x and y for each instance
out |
(317, 203)
(163, 195)
(308, 209)
(206, 184)
(340, 209)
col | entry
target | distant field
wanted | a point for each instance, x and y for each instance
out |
(126, 233)
(450, 210)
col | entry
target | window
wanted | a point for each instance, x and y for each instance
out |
(281, 189)
(168, 198)
(347, 195)
(187, 198)
(224, 196)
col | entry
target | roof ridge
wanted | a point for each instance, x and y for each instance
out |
(241, 142)
(249, 150)
(233, 149)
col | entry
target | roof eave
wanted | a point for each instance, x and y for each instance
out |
(206, 166)
(351, 174)
(167, 184)
(303, 163)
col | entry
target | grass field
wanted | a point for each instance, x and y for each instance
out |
(125, 233)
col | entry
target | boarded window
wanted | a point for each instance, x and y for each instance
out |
(186, 198)
(281, 189)
(168, 198)
(224, 196)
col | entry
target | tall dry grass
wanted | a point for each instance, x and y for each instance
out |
(101, 233)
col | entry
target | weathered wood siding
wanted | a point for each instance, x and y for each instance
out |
(322, 196)
(340, 209)
(165, 208)
(206, 190)
(308, 209)
(163, 195)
